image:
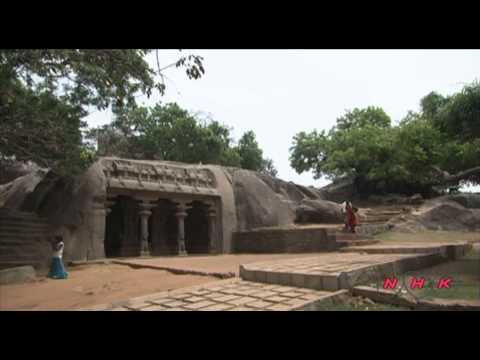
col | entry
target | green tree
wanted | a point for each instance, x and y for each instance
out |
(46, 93)
(432, 103)
(269, 168)
(250, 153)
(358, 118)
(166, 132)
(440, 146)
(459, 115)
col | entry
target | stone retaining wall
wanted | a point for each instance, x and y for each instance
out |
(283, 241)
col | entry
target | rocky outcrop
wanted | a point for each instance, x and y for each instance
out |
(339, 190)
(11, 170)
(450, 213)
(249, 200)
(14, 193)
(319, 211)
(257, 204)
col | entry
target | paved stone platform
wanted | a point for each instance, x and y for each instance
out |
(334, 271)
(227, 295)
(452, 251)
(222, 266)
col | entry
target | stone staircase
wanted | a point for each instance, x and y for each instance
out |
(381, 215)
(372, 221)
(375, 220)
(345, 239)
(23, 239)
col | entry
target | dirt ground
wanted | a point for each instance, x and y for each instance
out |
(90, 285)
(227, 263)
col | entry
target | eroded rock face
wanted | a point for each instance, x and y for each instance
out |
(13, 194)
(470, 201)
(339, 191)
(11, 170)
(257, 205)
(249, 200)
(446, 213)
(319, 211)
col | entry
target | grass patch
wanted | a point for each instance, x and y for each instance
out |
(465, 275)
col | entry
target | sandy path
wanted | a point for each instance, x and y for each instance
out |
(90, 285)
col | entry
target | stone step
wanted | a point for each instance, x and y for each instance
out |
(349, 236)
(346, 243)
(9, 212)
(5, 232)
(21, 222)
(26, 259)
(22, 219)
(331, 272)
(21, 249)
(373, 221)
(383, 212)
(377, 216)
(19, 242)
(22, 237)
(23, 230)
(20, 227)
(6, 264)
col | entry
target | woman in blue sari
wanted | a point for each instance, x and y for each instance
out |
(57, 270)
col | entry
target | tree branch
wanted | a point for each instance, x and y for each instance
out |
(449, 179)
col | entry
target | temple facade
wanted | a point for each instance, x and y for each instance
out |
(155, 208)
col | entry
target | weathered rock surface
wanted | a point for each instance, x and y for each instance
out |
(257, 204)
(11, 170)
(14, 193)
(318, 211)
(250, 200)
(17, 275)
(339, 190)
(450, 213)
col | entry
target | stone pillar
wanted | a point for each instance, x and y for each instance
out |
(145, 212)
(100, 210)
(181, 214)
(212, 229)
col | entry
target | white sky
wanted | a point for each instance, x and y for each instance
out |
(277, 93)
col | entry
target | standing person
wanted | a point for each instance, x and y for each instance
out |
(351, 217)
(57, 270)
(343, 209)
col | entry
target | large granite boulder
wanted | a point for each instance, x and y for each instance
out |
(447, 213)
(257, 204)
(14, 193)
(319, 211)
(339, 190)
(11, 170)
(470, 201)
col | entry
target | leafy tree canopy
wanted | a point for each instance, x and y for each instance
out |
(44, 94)
(413, 156)
(168, 132)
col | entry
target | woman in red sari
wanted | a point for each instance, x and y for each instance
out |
(351, 217)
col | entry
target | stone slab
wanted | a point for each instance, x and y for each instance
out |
(335, 271)
(17, 275)
(213, 297)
